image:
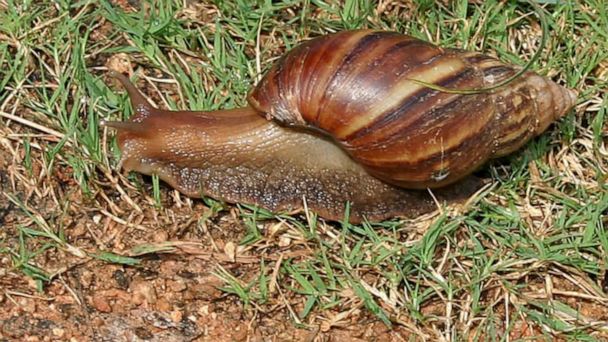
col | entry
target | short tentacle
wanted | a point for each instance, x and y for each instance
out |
(137, 98)
(124, 126)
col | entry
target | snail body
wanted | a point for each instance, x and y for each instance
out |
(346, 121)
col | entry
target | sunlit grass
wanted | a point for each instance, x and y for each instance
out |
(477, 274)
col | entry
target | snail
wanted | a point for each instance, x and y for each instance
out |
(346, 118)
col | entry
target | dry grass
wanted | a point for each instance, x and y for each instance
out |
(89, 253)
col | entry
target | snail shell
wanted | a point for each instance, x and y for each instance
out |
(357, 87)
(347, 114)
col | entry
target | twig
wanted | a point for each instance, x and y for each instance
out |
(32, 124)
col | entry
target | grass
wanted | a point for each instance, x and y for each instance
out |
(526, 260)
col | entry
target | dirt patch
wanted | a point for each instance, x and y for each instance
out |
(167, 299)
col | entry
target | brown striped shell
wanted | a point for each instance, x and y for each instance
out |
(356, 86)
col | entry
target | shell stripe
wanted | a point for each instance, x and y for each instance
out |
(464, 126)
(368, 49)
(404, 88)
(417, 106)
(322, 65)
(471, 153)
(366, 76)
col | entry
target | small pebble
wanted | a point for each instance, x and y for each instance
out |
(101, 304)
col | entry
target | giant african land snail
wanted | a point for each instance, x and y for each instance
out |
(346, 122)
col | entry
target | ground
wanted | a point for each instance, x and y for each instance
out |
(90, 253)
